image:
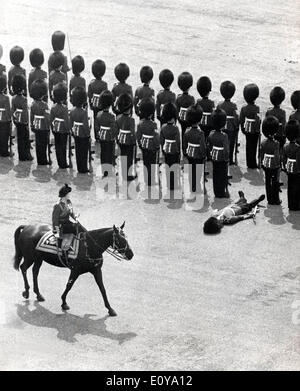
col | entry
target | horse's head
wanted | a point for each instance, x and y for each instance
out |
(120, 243)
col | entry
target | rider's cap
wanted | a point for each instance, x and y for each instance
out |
(64, 190)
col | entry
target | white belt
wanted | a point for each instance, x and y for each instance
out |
(170, 141)
(104, 127)
(37, 117)
(291, 160)
(229, 117)
(218, 148)
(96, 95)
(269, 156)
(125, 131)
(59, 120)
(78, 123)
(193, 145)
(206, 114)
(249, 120)
(147, 136)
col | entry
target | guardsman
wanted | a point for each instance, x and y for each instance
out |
(184, 100)
(16, 55)
(2, 67)
(106, 129)
(250, 123)
(145, 91)
(5, 118)
(204, 87)
(40, 120)
(122, 73)
(148, 139)
(295, 101)
(227, 90)
(219, 149)
(95, 88)
(56, 75)
(277, 96)
(36, 58)
(166, 78)
(291, 163)
(59, 122)
(126, 137)
(79, 125)
(20, 117)
(77, 80)
(270, 158)
(58, 43)
(194, 147)
(170, 144)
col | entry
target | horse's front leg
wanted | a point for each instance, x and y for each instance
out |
(73, 277)
(97, 273)
(35, 273)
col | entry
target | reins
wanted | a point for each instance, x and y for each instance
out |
(115, 253)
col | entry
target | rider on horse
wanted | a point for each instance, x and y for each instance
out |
(62, 226)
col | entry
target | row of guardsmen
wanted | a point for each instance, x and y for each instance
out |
(116, 125)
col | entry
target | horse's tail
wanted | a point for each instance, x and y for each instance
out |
(18, 254)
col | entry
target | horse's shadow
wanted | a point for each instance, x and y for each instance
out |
(69, 325)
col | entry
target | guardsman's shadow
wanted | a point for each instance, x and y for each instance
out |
(63, 175)
(294, 219)
(42, 173)
(68, 325)
(255, 177)
(236, 173)
(6, 164)
(275, 214)
(22, 169)
(83, 181)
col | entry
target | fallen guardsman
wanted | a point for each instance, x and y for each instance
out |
(231, 214)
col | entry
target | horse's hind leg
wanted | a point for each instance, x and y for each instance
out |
(35, 273)
(25, 265)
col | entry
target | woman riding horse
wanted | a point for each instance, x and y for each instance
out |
(62, 226)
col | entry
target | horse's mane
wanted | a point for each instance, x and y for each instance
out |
(100, 230)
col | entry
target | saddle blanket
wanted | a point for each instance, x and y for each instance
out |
(48, 244)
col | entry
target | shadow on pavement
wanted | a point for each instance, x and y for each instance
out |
(255, 177)
(68, 325)
(42, 174)
(294, 219)
(6, 164)
(275, 214)
(22, 169)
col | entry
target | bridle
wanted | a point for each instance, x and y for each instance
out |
(116, 252)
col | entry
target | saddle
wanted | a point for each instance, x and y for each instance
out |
(49, 244)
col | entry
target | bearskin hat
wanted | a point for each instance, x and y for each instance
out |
(16, 55)
(212, 226)
(185, 81)
(77, 65)
(79, 96)
(63, 191)
(18, 84)
(122, 72)
(1, 51)
(218, 118)
(57, 60)
(204, 86)
(251, 93)
(194, 114)
(277, 96)
(58, 40)
(227, 89)
(270, 126)
(146, 74)
(169, 112)
(106, 99)
(166, 78)
(292, 129)
(146, 108)
(38, 89)
(36, 58)
(295, 100)
(124, 103)
(60, 92)
(98, 68)
(3, 83)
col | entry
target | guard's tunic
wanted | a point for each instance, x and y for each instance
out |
(40, 126)
(270, 157)
(291, 161)
(5, 124)
(232, 125)
(80, 129)
(126, 140)
(250, 126)
(59, 122)
(95, 88)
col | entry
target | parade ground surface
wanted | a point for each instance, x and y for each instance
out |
(186, 301)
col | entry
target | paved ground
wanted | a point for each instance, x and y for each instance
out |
(186, 301)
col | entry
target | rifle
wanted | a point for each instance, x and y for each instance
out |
(90, 156)
(49, 149)
(11, 143)
(259, 145)
(236, 150)
(70, 150)
(158, 174)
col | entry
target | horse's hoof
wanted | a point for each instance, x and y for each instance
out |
(25, 294)
(65, 307)
(40, 298)
(112, 312)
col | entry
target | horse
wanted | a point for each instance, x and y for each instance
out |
(90, 257)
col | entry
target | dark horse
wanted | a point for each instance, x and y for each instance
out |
(90, 257)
